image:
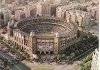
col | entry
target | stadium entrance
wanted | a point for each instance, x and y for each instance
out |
(45, 46)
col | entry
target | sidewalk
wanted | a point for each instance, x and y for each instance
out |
(52, 66)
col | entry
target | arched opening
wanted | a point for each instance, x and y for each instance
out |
(1, 15)
(51, 52)
(32, 13)
(64, 15)
(77, 23)
(47, 52)
(42, 53)
(38, 52)
(78, 33)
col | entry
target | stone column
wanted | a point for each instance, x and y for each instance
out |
(32, 44)
(57, 43)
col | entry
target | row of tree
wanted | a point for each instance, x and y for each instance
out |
(81, 47)
(77, 49)
(15, 50)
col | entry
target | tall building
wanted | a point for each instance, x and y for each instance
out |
(43, 9)
(21, 1)
(19, 14)
(83, 1)
(95, 1)
(30, 9)
(7, 1)
(94, 10)
(61, 9)
(57, 2)
(63, 2)
(17, 2)
(5, 15)
(27, 10)
(81, 17)
(39, 9)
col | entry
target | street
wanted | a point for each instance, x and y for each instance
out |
(18, 66)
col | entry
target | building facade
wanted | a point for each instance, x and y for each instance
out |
(81, 17)
(19, 15)
(41, 35)
(5, 15)
(94, 10)
(7, 1)
(43, 9)
(64, 8)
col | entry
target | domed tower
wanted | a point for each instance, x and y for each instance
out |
(32, 34)
(57, 34)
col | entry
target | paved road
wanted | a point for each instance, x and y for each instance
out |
(53, 66)
(10, 59)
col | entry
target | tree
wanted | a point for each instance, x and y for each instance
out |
(72, 55)
(87, 65)
(68, 57)
(67, 53)
(73, 49)
(81, 51)
(77, 52)
(16, 46)
(88, 58)
(25, 55)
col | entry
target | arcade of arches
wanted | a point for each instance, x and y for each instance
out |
(41, 37)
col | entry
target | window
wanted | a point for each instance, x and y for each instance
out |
(44, 45)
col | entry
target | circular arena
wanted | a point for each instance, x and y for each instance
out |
(41, 35)
(42, 25)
